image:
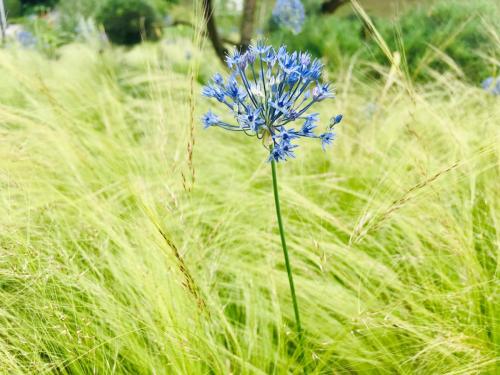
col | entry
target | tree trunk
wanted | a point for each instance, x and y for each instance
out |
(247, 23)
(208, 13)
(330, 6)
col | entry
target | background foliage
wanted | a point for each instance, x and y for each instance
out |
(423, 34)
(128, 22)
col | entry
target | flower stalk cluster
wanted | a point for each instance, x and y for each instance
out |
(269, 91)
(289, 14)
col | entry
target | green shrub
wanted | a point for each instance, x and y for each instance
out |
(48, 35)
(128, 22)
(12, 8)
(330, 37)
(29, 6)
(452, 27)
(73, 11)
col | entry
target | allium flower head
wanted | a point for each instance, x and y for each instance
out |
(26, 39)
(491, 85)
(272, 101)
(289, 14)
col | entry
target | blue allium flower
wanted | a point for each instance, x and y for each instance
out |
(492, 85)
(210, 119)
(266, 92)
(26, 38)
(326, 139)
(289, 14)
(168, 20)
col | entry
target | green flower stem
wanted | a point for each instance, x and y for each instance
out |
(285, 253)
